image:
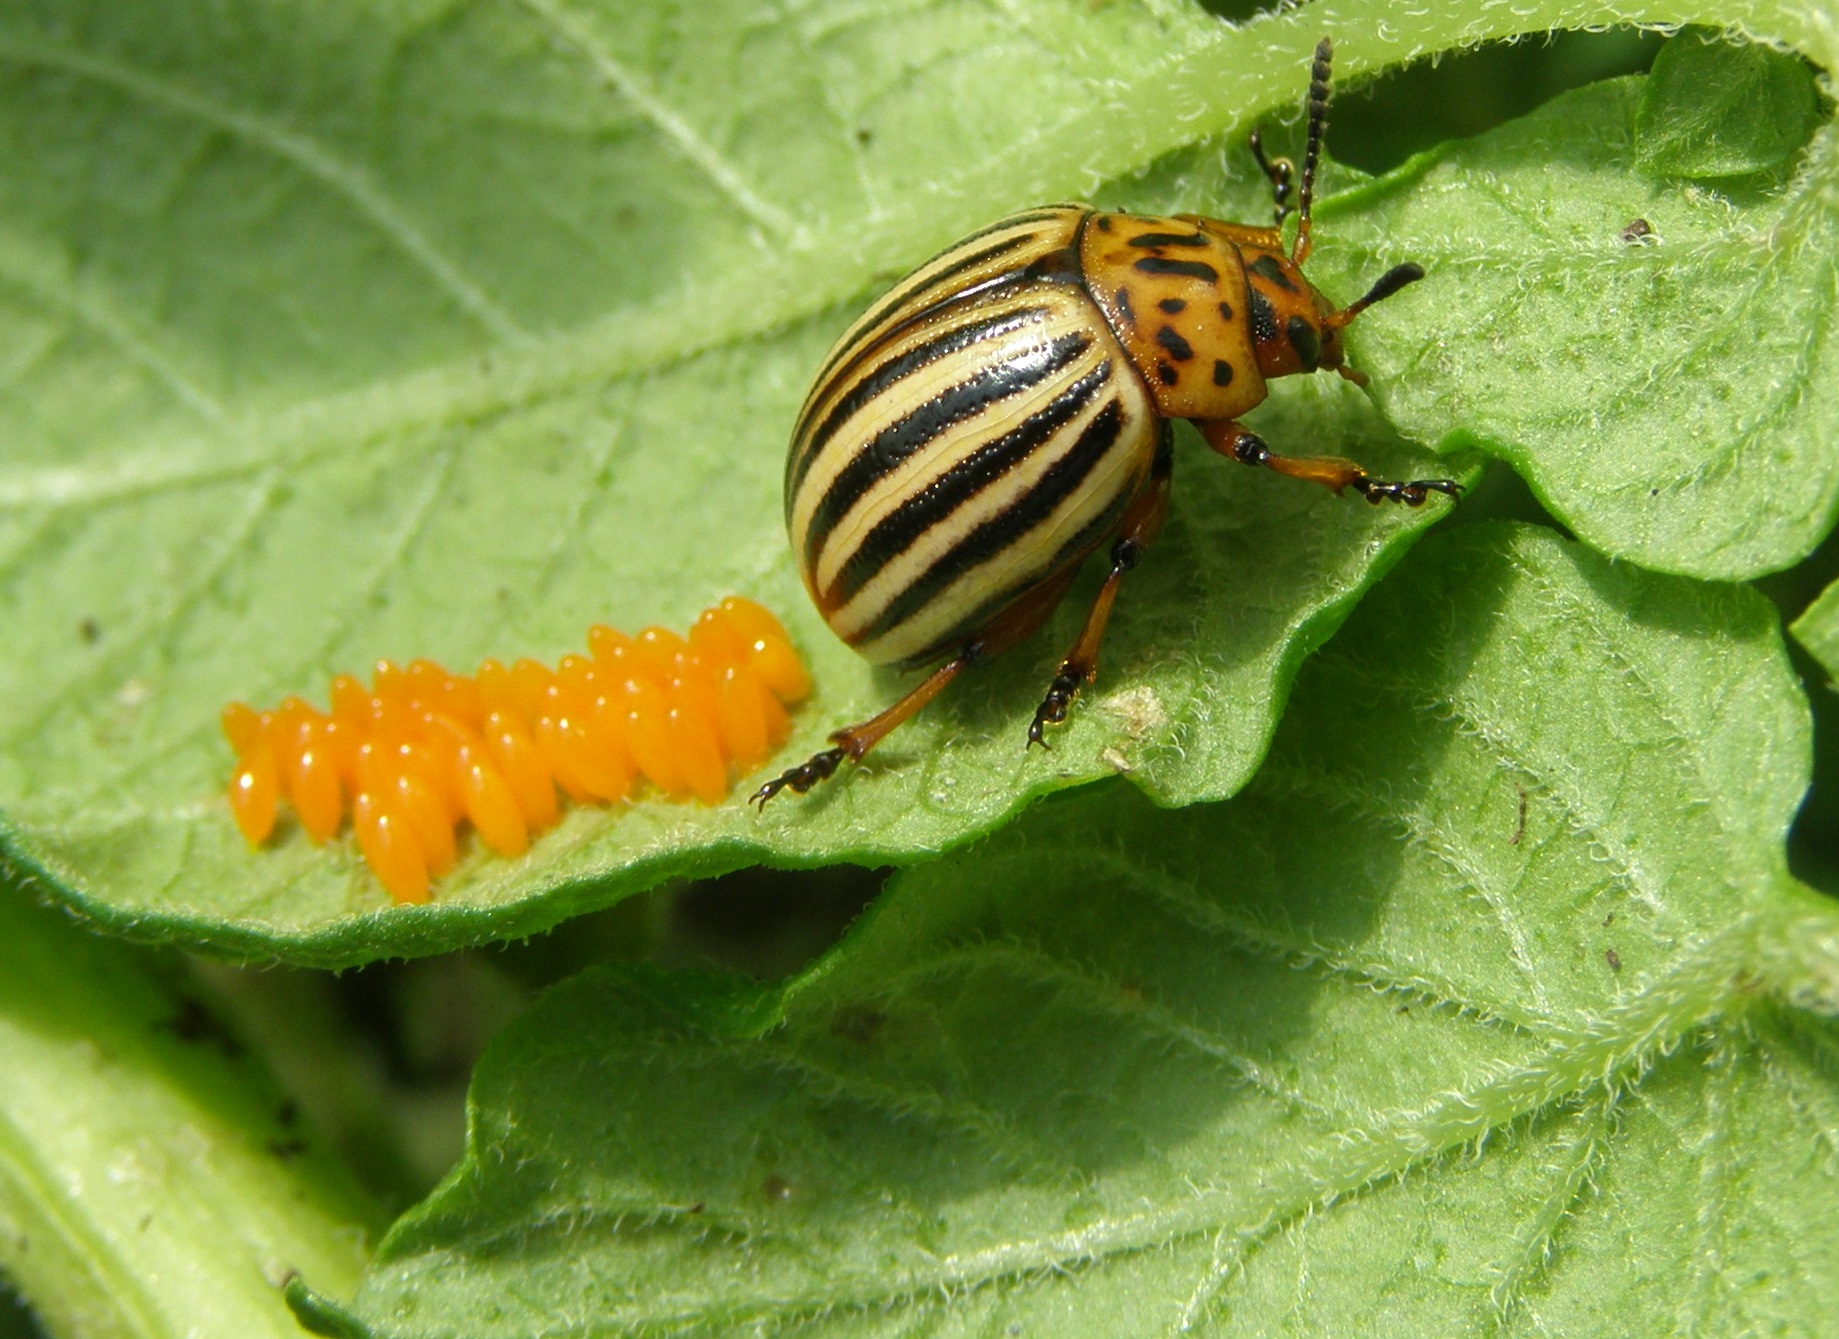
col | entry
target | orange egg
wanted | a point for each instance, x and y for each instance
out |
(255, 792)
(390, 848)
(424, 751)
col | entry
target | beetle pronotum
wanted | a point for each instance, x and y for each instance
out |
(1004, 410)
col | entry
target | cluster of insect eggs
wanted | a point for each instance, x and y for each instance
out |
(424, 749)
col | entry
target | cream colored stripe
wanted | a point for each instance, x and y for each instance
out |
(890, 309)
(948, 450)
(939, 540)
(908, 394)
(1024, 560)
(1049, 234)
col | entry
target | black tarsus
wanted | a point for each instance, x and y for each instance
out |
(1413, 493)
(818, 767)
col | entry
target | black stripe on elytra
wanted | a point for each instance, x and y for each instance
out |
(1179, 349)
(892, 372)
(998, 532)
(896, 532)
(1270, 269)
(918, 429)
(914, 303)
(1081, 543)
(1060, 266)
(1147, 240)
(1193, 269)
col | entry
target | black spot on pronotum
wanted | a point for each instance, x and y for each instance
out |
(1168, 374)
(1268, 267)
(1305, 340)
(1222, 372)
(1191, 269)
(1225, 311)
(1150, 240)
(1264, 317)
(1172, 305)
(1104, 223)
(1179, 349)
(1123, 306)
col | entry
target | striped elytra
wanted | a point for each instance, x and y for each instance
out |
(1004, 411)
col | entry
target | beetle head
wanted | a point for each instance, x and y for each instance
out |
(1296, 329)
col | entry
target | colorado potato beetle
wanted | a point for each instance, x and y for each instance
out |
(1005, 410)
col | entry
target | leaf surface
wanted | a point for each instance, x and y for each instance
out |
(348, 334)
(1817, 629)
(1671, 398)
(154, 1180)
(1369, 1049)
(1713, 108)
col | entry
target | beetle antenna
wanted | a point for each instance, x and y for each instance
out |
(1318, 123)
(1389, 283)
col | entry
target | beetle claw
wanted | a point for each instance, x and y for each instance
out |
(1052, 711)
(818, 767)
(1413, 493)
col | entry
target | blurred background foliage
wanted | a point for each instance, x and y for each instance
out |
(379, 1058)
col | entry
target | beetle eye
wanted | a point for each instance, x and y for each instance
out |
(1306, 342)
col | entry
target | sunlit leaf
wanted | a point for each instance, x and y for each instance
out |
(1713, 108)
(1474, 1007)
(344, 334)
(1671, 395)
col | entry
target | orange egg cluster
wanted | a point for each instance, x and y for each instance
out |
(423, 749)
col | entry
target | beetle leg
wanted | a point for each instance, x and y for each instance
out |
(852, 742)
(1142, 522)
(1332, 472)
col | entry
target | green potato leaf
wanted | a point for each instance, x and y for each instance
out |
(1672, 397)
(1485, 1005)
(342, 333)
(1817, 629)
(1713, 108)
(154, 1180)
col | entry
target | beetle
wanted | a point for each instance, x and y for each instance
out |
(1005, 410)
